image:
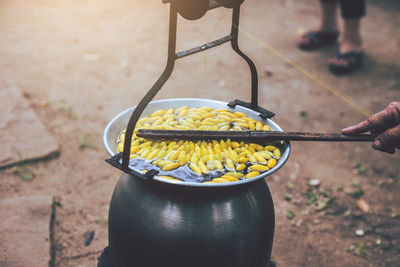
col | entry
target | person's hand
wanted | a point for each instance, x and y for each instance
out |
(386, 124)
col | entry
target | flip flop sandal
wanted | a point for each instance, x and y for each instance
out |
(317, 39)
(346, 62)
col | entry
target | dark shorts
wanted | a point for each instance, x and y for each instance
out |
(351, 9)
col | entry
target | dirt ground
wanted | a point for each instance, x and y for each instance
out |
(80, 63)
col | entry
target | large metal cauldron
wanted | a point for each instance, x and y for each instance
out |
(162, 222)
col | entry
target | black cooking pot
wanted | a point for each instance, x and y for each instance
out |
(162, 222)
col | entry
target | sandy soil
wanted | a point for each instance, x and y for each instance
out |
(79, 63)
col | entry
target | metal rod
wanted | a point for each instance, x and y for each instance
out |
(156, 87)
(255, 136)
(203, 47)
(235, 46)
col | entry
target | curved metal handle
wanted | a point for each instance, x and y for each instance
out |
(172, 56)
(153, 91)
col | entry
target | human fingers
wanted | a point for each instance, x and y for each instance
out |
(357, 128)
(379, 121)
(388, 140)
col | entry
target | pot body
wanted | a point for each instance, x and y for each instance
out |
(159, 224)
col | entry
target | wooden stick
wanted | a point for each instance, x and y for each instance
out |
(254, 136)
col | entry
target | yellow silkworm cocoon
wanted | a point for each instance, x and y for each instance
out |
(197, 150)
(259, 167)
(153, 119)
(180, 148)
(168, 127)
(194, 159)
(195, 168)
(146, 144)
(207, 109)
(120, 147)
(169, 178)
(236, 128)
(259, 126)
(170, 166)
(182, 113)
(269, 148)
(266, 128)
(220, 180)
(132, 156)
(251, 149)
(122, 137)
(191, 146)
(229, 178)
(229, 164)
(203, 167)
(240, 167)
(170, 111)
(182, 127)
(134, 149)
(162, 163)
(252, 125)
(271, 163)
(235, 174)
(208, 115)
(252, 174)
(194, 116)
(251, 158)
(170, 145)
(210, 165)
(277, 153)
(222, 144)
(243, 159)
(161, 154)
(244, 125)
(173, 155)
(175, 147)
(224, 128)
(240, 114)
(135, 142)
(259, 158)
(159, 112)
(168, 120)
(205, 158)
(257, 146)
(156, 161)
(235, 144)
(224, 117)
(218, 165)
(217, 150)
(221, 110)
(157, 127)
(182, 158)
(145, 152)
(143, 120)
(239, 120)
(265, 154)
(182, 108)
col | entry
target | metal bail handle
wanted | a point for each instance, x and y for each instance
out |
(172, 56)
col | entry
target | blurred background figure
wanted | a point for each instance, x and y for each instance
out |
(386, 124)
(350, 52)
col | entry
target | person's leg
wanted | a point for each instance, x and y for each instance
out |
(350, 49)
(328, 15)
(327, 31)
(352, 11)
